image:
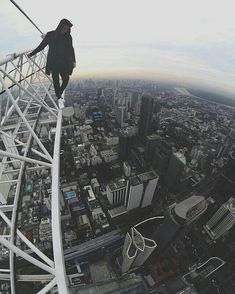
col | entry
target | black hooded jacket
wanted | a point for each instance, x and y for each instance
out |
(61, 52)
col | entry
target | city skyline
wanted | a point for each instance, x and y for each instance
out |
(188, 42)
(82, 188)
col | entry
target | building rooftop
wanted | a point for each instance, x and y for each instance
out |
(134, 181)
(147, 176)
(116, 185)
(153, 137)
(114, 212)
(69, 194)
(91, 195)
(190, 207)
(181, 157)
(128, 131)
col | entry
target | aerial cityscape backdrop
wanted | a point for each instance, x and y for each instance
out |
(123, 179)
(191, 42)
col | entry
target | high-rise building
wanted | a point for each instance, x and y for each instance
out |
(134, 100)
(149, 180)
(99, 93)
(126, 142)
(176, 166)
(130, 251)
(222, 221)
(146, 117)
(151, 144)
(137, 192)
(141, 189)
(161, 157)
(134, 194)
(137, 246)
(126, 169)
(229, 142)
(116, 192)
(225, 184)
(120, 115)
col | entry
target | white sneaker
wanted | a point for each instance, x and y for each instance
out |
(61, 102)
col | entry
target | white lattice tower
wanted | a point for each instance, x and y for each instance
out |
(26, 103)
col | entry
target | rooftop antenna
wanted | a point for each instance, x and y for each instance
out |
(21, 10)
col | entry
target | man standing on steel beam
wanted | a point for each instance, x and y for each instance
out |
(60, 58)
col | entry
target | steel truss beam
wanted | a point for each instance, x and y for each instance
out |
(24, 94)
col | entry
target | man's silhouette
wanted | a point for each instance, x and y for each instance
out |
(60, 57)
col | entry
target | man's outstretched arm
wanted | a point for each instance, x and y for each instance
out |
(40, 47)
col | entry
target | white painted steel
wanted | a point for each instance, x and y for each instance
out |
(23, 144)
(26, 256)
(25, 120)
(13, 56)
(56, 221)
(28, 243)
(23, 158)
(38, 100)
(14, 214)
(27, 169)
(6, 208)
(4, 270)
(28, 278)
(22, 72)
(48, 287)
(32, 88)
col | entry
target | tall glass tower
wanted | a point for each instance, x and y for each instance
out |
(146, 117)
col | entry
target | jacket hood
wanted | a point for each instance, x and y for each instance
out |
(63, 22)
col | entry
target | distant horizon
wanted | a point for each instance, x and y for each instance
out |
(185, 42)
(172, 83)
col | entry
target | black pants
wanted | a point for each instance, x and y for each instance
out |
(59, 89)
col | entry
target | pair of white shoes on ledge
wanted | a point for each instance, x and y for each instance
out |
(61, 102)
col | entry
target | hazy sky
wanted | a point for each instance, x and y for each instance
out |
(182, 40)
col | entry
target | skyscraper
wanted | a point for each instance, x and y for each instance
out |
(99, 93)
(126, 142)
(120, 115)
(141, 189)
(135, 192)
(175, 169)
(137, 246)
(138, 192)
(225, 185)
(149, 181)
(230, 141)
(134, 100)
(161, 157)
(146, 117)
(222, 220)
(151, 144)
(116, 192)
